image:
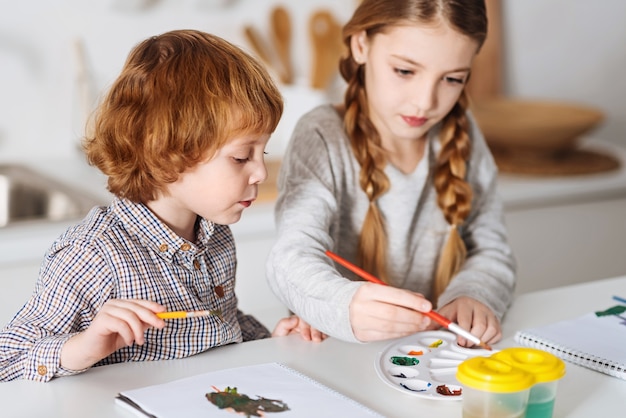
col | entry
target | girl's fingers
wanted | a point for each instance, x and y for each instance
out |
(294, 325)
(474, 317)
(380, 311)
(389, 303)
(493, 331)
(305, 332)
(374, 327)
(394, 296)
(317, 335)
(285, 326)
(484, 324)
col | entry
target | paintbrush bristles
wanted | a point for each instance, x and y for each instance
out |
(485, 346)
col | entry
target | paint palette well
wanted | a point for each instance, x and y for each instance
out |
(425, 364)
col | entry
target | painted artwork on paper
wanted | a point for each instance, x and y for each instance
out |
(239, 403)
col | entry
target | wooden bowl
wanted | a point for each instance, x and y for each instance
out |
(534, 127)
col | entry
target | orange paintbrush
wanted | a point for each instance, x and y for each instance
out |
(440, 319)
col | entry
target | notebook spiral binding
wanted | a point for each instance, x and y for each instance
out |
(573, 356)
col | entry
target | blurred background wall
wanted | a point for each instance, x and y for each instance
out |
(570, 50)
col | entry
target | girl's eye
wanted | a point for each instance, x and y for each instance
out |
(403, 72)
(455, 80)
(240, 160)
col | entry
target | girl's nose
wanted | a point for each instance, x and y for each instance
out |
(425, 95)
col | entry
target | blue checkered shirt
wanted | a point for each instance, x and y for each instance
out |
(124, 251)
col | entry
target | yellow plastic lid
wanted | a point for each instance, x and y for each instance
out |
(544, 366)
(491, 375)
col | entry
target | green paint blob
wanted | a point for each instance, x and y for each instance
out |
(615, 310)
(404, 361)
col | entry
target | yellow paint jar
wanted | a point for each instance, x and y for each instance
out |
(547, 370)
(493, 389)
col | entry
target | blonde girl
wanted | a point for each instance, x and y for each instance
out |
(398, 179)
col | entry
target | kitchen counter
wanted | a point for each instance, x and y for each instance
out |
(517, 191)
(29, 241)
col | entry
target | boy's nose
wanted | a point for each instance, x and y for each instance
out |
(259, 175)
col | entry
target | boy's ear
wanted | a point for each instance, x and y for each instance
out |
(359, 46)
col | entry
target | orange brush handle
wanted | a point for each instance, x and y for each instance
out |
(357, 270)
(441, 320)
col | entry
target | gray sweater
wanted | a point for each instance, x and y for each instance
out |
(321, 206)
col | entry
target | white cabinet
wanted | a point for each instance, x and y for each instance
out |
(567, 230)
(568, 243)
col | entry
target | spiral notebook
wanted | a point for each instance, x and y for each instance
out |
(248, 390)
(595, 340)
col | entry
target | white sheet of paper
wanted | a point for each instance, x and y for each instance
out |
(304, 396)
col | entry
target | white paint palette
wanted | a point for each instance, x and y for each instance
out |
(422, 362)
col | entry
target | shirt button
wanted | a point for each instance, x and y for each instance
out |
(42, 370)
(219, 291)
(196, 264)
(163, 248)
(185, 247)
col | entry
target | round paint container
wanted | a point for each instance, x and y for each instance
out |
(547, 370)
(493, 389)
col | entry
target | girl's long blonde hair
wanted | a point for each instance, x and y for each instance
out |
(454, 194)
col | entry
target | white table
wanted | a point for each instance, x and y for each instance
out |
(348, 368)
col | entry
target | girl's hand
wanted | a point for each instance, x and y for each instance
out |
(383, 312)
(475, 317)
(120, 323)
(295, 325)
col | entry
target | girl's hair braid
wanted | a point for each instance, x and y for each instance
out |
(366, 145)
(454, 194)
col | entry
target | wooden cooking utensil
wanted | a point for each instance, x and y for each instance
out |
(325, 35)
(258, 46)
(281, 38)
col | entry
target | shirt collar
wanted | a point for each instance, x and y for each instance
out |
(153, 233)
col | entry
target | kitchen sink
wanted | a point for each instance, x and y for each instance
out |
(27, 195)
